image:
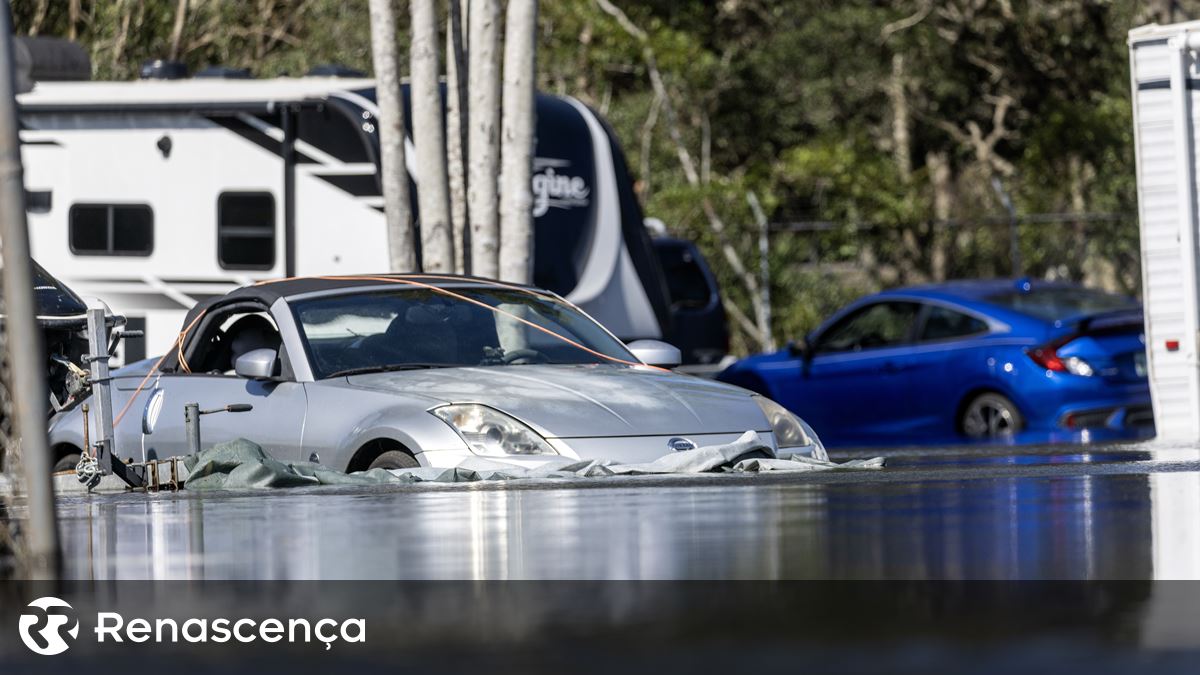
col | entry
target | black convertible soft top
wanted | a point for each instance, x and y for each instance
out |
(266, 293)
(270, 291)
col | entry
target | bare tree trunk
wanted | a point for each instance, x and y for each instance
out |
(1164, 10)
(764, 267)
(1079, 243)
(118, 52)
(402, 254)
(433, 191)
(648, 145)
(483, 83)
(73, 19)
(901, 146)
(517, 139)
(456, 136)
(177, 29)
(1094, 268)
(39, 16)
(938, 165)
(583, 83)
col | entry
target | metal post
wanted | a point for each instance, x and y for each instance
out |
(191, 424)
(101, 391)
(287, 117)
(27, 361)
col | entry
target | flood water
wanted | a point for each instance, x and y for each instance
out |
(1052, 513)
(1118, 512)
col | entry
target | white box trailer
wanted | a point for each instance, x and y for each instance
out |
(1166, 115)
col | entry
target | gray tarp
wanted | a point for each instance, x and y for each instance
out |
(243, 464)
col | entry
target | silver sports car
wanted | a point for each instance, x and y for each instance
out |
(407, 370)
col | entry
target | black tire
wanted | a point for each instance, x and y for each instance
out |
(990, 416)
(67, 462)
(394, 459)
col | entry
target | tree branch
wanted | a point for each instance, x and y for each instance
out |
(904, 24)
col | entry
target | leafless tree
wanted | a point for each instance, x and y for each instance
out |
(517, 139)
(177, 28)
(456, 133)
(394, 177)
(483, 84)
(433, 198)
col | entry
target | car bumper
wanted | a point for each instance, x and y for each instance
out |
(619, 449)
(1068, 404)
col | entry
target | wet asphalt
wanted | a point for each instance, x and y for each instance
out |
(997, 513)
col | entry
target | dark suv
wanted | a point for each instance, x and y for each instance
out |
(62, 315)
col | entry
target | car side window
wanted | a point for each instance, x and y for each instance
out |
(883, 324)
(942, 323)
(228, 337)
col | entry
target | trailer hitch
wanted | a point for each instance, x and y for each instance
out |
(100, 458)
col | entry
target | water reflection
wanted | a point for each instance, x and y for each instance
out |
(1176, 525)
(1062, 527)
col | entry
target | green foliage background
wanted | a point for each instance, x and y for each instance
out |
(801, 100)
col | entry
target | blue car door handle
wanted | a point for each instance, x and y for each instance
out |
(892, 367)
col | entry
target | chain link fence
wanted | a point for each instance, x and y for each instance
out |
(816, 267)
(1097, 249)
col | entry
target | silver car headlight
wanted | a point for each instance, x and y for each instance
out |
(790, 431)
(492, 433)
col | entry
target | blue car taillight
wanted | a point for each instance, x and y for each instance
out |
(1047, 357)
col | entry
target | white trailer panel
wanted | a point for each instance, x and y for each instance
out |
(1166, 113)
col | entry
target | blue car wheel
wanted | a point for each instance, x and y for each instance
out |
(991, 415)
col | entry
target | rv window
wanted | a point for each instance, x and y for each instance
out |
(335, 133)
(246, 230)
(111, 229)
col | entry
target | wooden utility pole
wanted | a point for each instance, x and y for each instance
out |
(456, 134)
(483, 85)
(433, 191)
(402, 251)
(516, 142)
(26, 360)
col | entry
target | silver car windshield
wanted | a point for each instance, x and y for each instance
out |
(422, 328)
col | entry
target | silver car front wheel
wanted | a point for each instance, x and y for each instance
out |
(991, 416)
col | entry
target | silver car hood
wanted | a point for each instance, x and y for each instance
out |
(587, 400)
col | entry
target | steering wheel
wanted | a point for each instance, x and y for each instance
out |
(532, 355)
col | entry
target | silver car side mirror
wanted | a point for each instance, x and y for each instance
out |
(257, 363)
(656, 353)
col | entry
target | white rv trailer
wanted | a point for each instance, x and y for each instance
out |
(157, 194)
(1166, 112)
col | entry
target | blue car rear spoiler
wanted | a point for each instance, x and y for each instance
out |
(1105, 322)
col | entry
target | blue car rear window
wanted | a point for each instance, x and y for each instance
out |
(1053, 304)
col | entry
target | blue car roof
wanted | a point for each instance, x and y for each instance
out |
(974, 289)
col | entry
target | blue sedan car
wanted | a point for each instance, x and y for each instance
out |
(1016, 361)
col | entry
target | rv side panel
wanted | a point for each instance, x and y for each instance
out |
(1166, 116)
